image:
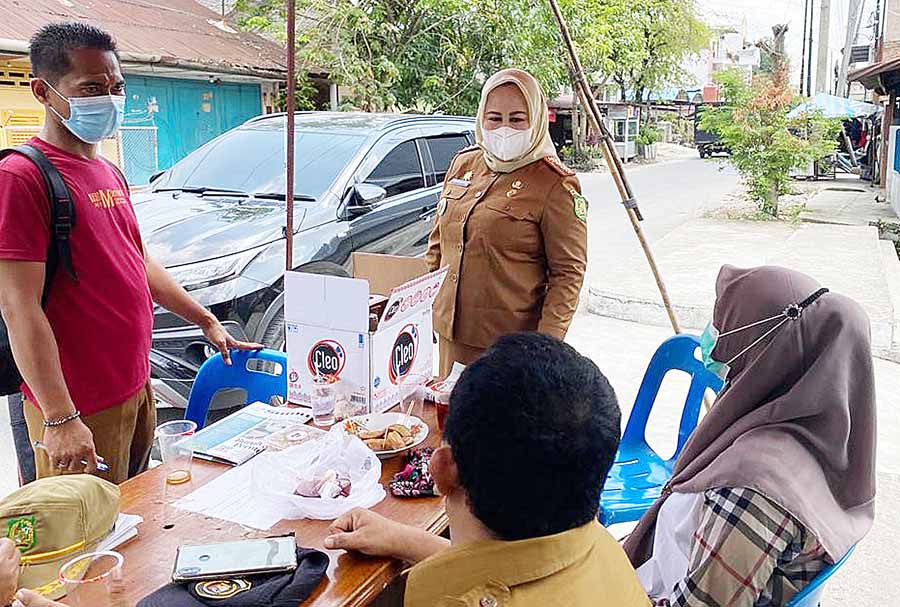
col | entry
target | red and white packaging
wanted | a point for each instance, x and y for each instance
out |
(327, 328)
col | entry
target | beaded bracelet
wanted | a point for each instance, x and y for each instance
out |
(53, 423)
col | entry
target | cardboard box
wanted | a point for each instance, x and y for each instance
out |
(327, 328)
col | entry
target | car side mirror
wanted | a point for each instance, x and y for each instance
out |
(156, 176)
(365, 197)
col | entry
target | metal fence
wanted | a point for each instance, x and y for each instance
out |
(139, 146)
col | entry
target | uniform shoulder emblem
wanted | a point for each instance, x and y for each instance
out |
(465, 151)
(556, 164)
(579, 204)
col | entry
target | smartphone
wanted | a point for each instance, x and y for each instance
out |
(229, 559)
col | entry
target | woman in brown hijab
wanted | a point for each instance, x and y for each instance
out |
(511, 227)
(778, 480)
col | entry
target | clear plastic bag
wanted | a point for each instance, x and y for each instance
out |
(277, 475)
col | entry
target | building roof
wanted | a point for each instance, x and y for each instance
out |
(883, 77)
(168, 32)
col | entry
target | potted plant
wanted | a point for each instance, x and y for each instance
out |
(646, 141)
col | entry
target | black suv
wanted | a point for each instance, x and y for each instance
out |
(216, 220)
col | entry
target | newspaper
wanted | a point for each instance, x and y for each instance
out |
(255, 428)
(124, 529)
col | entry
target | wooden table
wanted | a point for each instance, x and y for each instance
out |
(352, 579)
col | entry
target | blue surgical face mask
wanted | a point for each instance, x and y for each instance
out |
(92, 119)
(711, 334)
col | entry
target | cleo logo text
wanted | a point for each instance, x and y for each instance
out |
(326, 357)
(403, 353)
(107, 199)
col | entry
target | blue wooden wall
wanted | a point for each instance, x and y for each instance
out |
(186, 113)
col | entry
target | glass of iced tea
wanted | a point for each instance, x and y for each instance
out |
(441, 392)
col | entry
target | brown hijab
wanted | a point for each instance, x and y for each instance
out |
(796, 420)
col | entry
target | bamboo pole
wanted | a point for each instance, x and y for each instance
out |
(289, 118)
(613, 161)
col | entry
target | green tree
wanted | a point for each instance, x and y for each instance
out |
(652, 40)
(304, 95)
(765, 144)
(434, 54)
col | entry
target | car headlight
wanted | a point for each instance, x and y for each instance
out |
(212, 272)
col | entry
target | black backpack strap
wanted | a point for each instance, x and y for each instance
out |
(62, 214)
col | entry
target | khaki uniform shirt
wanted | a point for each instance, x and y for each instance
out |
(583, 567)
(516, 247)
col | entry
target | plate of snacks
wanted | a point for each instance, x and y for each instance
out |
(387, 434)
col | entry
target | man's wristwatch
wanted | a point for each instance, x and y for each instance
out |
(54, 423)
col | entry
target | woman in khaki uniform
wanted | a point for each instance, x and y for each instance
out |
(511, 226)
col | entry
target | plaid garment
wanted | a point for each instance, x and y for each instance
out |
(748, 552)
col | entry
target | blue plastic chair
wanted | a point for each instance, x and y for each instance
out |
(811, 594)
(639, 473)
(261, 374)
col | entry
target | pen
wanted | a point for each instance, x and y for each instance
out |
(100, 465)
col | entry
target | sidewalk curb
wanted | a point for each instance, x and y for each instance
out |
(631, 167)
(693, 319)
(644, 311)
(892, 276)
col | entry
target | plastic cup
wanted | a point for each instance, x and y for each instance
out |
(94, 579)
(177, 449)
(323, 401)
(412, 393)
(442, 402)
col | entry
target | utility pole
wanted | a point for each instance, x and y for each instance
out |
(289, 144)
(853, 17)
(822, 59)
(809, 52)
(613, 161)
(803, 56)
(876, 26)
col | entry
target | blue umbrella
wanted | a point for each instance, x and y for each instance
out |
(834, 107)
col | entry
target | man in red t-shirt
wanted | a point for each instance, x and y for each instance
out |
(84, 356)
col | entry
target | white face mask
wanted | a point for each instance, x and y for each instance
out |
(507, 143)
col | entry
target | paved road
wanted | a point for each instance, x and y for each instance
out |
(669, 194)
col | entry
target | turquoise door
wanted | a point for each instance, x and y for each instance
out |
(167, 118)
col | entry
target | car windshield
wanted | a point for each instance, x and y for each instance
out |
(251, 160)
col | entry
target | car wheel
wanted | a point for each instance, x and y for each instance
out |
(273, 336)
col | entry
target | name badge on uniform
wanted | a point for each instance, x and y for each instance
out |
(460, 182)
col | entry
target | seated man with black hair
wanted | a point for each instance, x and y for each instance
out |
(532, 432)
